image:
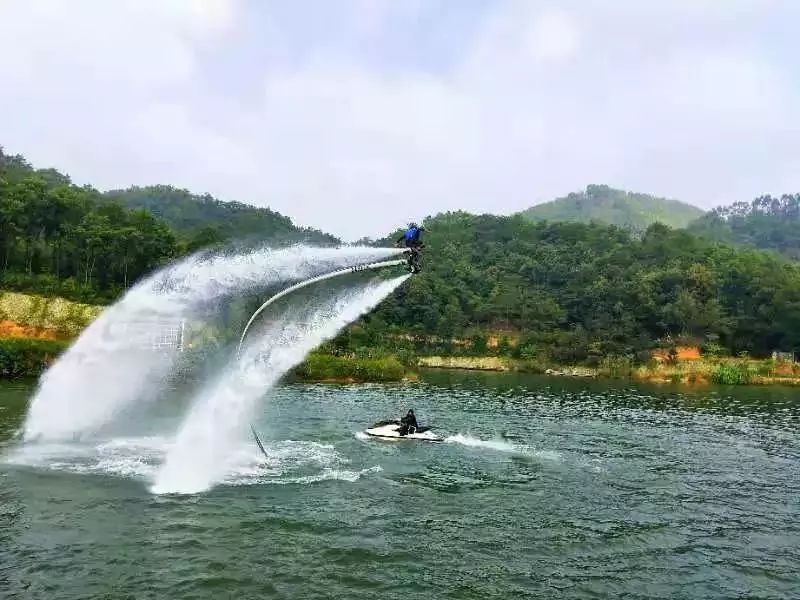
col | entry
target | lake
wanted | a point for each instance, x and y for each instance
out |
(545, 488)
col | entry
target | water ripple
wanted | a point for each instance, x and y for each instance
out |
(557, 491)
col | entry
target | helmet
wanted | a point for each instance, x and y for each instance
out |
(412, 224)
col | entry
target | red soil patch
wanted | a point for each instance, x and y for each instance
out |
(684, 353)
(784, 369)
(10, 329)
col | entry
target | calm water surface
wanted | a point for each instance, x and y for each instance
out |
(546, 489)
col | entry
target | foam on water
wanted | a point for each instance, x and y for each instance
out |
(331, 475)
(502, 446)
(474, 442)
(289, 461)
(217, 421)
(327, 474)
(124, 457)
(113, 365)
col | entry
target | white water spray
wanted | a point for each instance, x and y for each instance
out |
(114, 364)
(218, 418)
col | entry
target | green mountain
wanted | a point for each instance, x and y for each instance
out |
(602, 204)
(768, 223)
(575, 292)
(57, 238)
(60, 239)
(569, 292)
(204, 220)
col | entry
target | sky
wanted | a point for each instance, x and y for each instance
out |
(356, 116)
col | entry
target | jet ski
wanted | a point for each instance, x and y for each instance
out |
(390, 430)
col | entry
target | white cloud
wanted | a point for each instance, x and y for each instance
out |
(198, 16)
(82, 73)
(554, 37)
(371, 16)
(660, 97)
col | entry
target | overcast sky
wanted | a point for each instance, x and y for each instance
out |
(355, 116)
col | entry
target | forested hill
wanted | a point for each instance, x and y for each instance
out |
(60, 239)
(766, 222)
(600, 203)
(569, 292)
(573, 291)
(205, 219)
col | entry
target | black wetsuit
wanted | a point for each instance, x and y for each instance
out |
(408, 424)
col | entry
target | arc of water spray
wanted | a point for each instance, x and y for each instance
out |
(302, 284)
(294, 288)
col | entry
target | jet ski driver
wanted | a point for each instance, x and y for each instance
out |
(408, 424)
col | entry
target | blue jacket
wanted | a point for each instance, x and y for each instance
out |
(411, 236)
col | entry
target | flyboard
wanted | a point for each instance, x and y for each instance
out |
(301, 285)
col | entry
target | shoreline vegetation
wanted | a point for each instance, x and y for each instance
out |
(35, 330)
(694, 372)
(593, 286)
(25, 357)
(29, 357)
(328, 368)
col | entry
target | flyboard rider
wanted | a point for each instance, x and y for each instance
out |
(411, 239)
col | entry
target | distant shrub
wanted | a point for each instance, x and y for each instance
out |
(504, 346)
(712, 350)
(325, 367)
(672, 356)
(526, 352)
(766, 369)
(47, 285)
(532, 365)
(479, 344)
(616, 366)
(27, 357)
(732, 374)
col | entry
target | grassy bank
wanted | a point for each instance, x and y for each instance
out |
(41, 317)
(504, 364)
(27, 357)
(702, 371)
(725, 371)
(350, 369)
(35, 330)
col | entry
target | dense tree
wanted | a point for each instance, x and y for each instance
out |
(56, 237)
(200, 219)
(67, 237)
(767, 222)
(572, 291)
(565, 290)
